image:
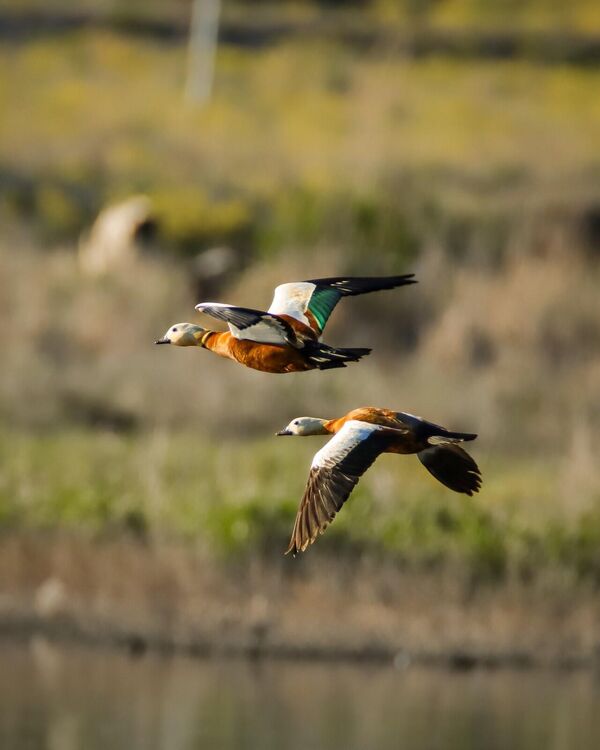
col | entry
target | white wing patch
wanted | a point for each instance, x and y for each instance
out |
(292, 299)
(266, 331)
(340, 445)
(262, 333)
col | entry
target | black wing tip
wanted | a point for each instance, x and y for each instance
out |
(467, 488)
(453, 467)
(472, 481)
(407, 278)
(472, 490)
(366, 283)
(404, 280)
(230, 308)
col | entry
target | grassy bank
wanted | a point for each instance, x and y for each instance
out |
(237, 500)
(174, 541)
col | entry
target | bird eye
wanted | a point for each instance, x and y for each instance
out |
(296, 421)
(175, 329)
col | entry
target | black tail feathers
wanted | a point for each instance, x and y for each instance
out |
(459, 435)
(325, 357)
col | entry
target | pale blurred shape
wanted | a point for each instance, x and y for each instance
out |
(113, 241)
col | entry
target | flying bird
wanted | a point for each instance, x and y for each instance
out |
(287, 337)
(358, 439)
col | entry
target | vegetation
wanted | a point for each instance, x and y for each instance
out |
(482, 178)
(453, 14)
(376, 151)
(240, 498)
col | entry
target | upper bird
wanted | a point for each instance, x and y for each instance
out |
(359, 438)
(286, 338)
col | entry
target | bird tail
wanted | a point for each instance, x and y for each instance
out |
(325, 357)
(444, 436)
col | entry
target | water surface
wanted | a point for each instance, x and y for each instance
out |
(60, 698)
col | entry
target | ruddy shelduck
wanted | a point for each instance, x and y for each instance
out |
(358, 439)
(287, 337)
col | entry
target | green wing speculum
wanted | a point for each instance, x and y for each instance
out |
(312, 302)
(322, 303)
(328, 292)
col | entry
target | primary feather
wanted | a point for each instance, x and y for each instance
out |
(334, 473)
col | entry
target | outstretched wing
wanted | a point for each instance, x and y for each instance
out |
(452, 466)
(334, 473)
(252, 325)
(312, 302)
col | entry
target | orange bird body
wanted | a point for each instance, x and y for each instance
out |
(264, 357)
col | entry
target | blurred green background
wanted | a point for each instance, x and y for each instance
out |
(457, 139)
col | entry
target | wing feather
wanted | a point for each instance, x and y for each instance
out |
(335, 471)
(452, 466)
(312, 302)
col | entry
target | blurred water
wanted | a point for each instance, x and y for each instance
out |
(72, 698)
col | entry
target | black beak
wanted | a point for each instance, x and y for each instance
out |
(162, 341)
(281, 433)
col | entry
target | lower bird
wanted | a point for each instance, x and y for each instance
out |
(287, 337)
(358, 439)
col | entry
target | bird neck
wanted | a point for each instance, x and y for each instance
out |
(331, 426)
(202, 337)
(327, 427)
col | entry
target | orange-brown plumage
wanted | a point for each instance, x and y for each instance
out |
(303, 332)
(359, 437)
(264, 357)
(370, 414)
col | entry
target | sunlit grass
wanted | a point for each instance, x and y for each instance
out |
(105, 114)
(240, 497)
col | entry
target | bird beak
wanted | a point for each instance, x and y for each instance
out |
(281, 433)
(162, 341)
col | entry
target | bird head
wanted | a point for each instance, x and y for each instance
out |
(305, 426)
(183, 334)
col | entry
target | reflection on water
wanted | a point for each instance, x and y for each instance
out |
(70, 698)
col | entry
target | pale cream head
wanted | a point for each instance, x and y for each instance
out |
(305, 426)
(183, 334)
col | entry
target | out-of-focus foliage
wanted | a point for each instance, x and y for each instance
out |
(162, 485)
(314, 157)
(532, 14)
(303, 142)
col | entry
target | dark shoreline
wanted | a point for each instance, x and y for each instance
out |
(70, 633)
